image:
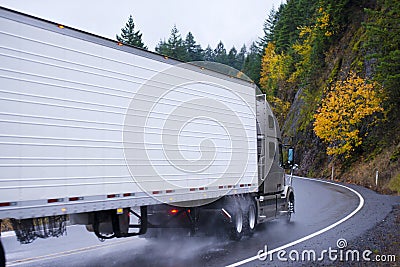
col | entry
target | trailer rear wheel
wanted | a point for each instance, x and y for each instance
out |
(251, 219)
(236, 227)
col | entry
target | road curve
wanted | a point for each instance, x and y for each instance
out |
(324, 213)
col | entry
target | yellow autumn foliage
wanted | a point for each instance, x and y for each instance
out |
(274, 67)
(280, 108)
(323, 22)
(274, 72)
(346, 104)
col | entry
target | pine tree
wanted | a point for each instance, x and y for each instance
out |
(220, 53)
(241, 56)
(252, 63)
(162, 48)
(383, 39)
(193, 50)
(174, 47)
(129, 36)
(232, 58)
(209, 54)
(268, 29)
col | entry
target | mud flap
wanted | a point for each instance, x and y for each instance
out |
(2, 255)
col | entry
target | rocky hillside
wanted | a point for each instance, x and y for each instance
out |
(331, 70)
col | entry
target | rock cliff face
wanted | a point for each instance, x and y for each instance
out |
(381, 146)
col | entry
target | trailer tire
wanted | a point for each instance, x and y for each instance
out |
(2, 256)
(236, 227)
(250, 220)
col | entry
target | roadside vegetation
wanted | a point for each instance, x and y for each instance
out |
(331, 70)
(6, 226)
(337, 65)
(246, 60)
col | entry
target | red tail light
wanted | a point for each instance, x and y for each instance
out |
(173, 211)
(5, 204)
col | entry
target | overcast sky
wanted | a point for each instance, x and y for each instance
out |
(232, 21)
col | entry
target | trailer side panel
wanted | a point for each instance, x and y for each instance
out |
(88, 125)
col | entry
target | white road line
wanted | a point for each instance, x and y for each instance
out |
(360, 205)
(63, 253)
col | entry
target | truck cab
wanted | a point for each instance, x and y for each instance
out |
(274, 195)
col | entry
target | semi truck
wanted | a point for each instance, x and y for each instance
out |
(129, 142)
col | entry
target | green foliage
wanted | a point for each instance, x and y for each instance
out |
(231, 57)
(188, 50)
(269, 29)
(396, 154)
(394, 183)
(301, 31)
(174, 47)
(220, 53)
(383, 40)
(129, 36)
(311, 99)
(252, 63)
(288, 19)
(209, 54)
(335, 71)
(308, 46)
(240, 58)
(193, 50)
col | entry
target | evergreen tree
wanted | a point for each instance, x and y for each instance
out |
(383, 40)
(268, 29)
(220, 53)
(209, 54)
(252, 63)
(174, 47)
(193, 50)
(232, 58)
(241, 56)
(288, 20)
(162, 48)
(129, 36)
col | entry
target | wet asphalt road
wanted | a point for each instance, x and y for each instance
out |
(318, 205)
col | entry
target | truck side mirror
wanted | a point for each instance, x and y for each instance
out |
(291, 156)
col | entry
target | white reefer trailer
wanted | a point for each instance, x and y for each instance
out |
(95, 129)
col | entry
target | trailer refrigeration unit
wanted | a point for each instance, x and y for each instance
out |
(98, 132)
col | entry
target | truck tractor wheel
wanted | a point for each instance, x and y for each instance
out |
(250, 220)
(236, 227)
(2, 256)
(290, 204)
